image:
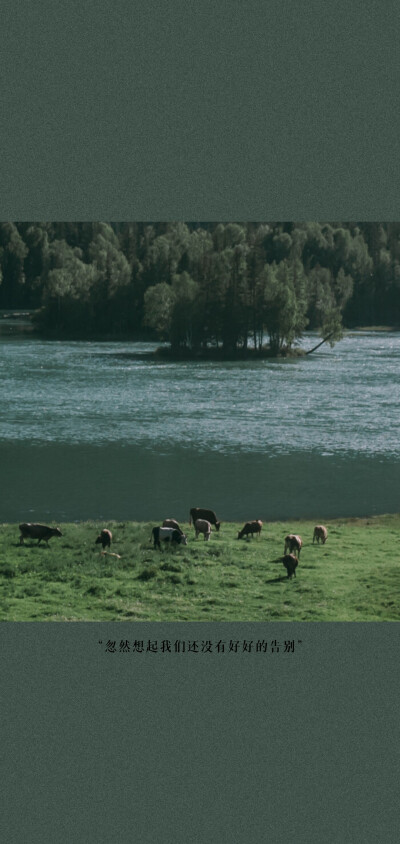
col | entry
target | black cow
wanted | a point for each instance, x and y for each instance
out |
(105, 537)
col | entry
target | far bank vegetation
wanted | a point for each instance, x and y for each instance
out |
(203, 288)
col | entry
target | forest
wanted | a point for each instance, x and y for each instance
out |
(203, 285)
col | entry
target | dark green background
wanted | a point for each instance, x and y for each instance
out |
(199, 111)
(223, 747)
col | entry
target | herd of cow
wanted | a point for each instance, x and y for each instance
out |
(171, 533)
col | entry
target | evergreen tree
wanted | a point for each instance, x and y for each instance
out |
(13, 252)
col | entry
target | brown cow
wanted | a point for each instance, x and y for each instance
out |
(290, 562)
(251, 527)
(172, 523)
(39, 532)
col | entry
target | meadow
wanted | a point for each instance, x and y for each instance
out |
(355, 576)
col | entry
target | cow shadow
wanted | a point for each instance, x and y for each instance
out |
(31, 545)
(278, 579)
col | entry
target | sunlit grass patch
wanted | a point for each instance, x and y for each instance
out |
(355, 576)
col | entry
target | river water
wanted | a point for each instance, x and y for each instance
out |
(99, 430)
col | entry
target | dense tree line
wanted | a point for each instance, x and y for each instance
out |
(202, 284)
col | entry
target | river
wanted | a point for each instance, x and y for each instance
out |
(100, 430)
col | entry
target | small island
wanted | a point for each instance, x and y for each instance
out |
(210, 291)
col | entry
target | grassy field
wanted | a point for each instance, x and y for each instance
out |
(354, 577)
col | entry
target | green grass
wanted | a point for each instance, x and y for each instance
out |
(354, 577)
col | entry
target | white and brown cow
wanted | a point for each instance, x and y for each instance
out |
(293, 544)
(320, 533)
(201, 513)
(204, 527)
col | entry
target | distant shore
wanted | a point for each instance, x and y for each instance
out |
(17, 323)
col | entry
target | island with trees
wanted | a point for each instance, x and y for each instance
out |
(205, 289)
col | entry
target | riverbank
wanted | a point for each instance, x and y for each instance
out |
(16, 323)
(215, 354)
(355, 576)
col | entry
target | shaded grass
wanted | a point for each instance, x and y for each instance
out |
(354, 577)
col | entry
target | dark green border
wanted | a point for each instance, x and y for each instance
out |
(227, 746)
(199, 111)
(261, 110)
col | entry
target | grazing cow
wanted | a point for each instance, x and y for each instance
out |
(250, 528)
(204, 527)
(172, 524)
(293, 543)
(39, 532)
(320, 533)
(166, 534)
(105, 537)
(290, 562)
(200, 513)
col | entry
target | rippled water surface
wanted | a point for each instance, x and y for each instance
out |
(196, 431)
